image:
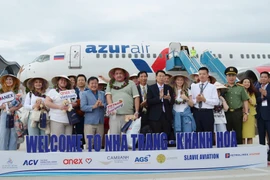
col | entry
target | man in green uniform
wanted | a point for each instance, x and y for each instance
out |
(237, 99)
(193, 53)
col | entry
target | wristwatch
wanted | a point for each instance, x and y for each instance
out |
(246, 113)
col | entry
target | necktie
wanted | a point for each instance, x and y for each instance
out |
(163, 108)
(201, 91)
(144, 93)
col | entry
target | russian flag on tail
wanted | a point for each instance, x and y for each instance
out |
(59, 56)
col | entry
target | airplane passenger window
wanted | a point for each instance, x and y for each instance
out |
(197, 55)
(242, 56)
(268, 56)
(111, 55)
(98, 56)
(154, 56)
(123, 55)
(214, 55)
(148, 55)
(104, 55)
(142, 55)
(219, 56)
(117, 55)
(135, 55)
(253, 56)
(258, 56)
(160, 55)
(129, 55)
(263, 56)
(231, 56)
(247, 55)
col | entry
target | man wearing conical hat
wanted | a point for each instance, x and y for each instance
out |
(121, 88)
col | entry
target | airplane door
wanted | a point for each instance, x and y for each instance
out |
(75, 57)
(174, 49)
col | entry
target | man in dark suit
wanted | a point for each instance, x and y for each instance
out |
(142, 89)
(263, 108)
(80, 88)
(160, 103)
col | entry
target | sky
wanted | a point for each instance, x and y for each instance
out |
(30, 27)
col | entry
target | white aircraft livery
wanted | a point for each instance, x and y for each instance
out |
(97, 58)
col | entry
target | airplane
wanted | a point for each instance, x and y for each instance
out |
(97, 58)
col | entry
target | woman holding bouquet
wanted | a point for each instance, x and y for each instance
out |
(8, 135)
(34, 101)
(183, 119)
(59, 122)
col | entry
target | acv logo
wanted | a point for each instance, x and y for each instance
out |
(30, 162)
(72, 161)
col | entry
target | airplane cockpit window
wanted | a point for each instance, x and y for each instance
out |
(253, 56)
(258, 56)
(263, 56)
(247, 55)
(42, 58)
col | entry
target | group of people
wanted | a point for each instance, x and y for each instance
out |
(173, 104)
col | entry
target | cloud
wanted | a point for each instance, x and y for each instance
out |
(31, 27)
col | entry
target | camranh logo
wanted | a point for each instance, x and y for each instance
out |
(143, 159)
(161, 158)
(227, 155)
(118, 159)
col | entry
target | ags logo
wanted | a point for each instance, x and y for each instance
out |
(72, 161)
(30, 162)
(142, 160)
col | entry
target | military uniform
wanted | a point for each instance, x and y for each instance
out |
(235, 96)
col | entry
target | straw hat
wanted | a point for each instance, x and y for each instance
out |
(220, 86)
(212, 79)
(111, 72)
(56, 78)
(186, 79)
(25, 82)
(100, 81)
(74, 76)
(30, 83)
(167, 74)
(133, 75)
(192, 76)
(15, 79)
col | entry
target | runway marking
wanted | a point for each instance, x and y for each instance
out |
(211, 177)
(261, 170)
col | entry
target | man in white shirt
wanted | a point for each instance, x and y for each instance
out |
(205, 97)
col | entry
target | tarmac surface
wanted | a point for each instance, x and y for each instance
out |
(247, 174)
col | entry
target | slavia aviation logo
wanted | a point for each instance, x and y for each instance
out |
(159, 63)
